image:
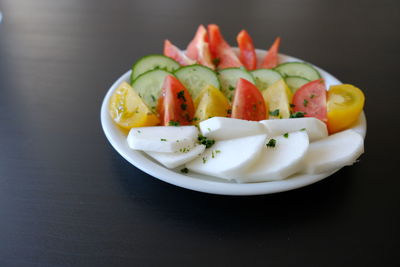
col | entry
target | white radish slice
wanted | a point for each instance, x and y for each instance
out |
(281, 161)
(338, 150)
(162, 138)
(315, 128)
(220, 128)
(173, 160)
(229, 158)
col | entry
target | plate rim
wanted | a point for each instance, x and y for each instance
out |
(140, 161)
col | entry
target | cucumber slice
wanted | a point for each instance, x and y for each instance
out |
(229, 78)
(151, 62)
(300, 69)
(295, 82)
(196, 77)
(148, 86)
(265, 77)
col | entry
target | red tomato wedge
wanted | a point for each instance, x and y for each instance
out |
(175, 106)
(175, 53)
(271, 60)
(247, 52)
(311, 99)
(248, 102)
(221, 50)
(199, 50)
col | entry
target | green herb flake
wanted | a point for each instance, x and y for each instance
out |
(205, 141)
(174, 123)
(216, 61)
(231, 88)
(185, 170)
(212, 154)
(153, 98)
(217, 151)
(204, 160)
(312, 96)
(303, 129)
(271, 143)
(181, 94)
(305, 102)
(183, 106)
(274, 113)
(162, 139)
(297, 114)
(286, 135)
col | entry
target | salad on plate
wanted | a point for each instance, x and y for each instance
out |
(228, 113)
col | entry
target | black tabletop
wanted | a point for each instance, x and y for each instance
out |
(67, 198)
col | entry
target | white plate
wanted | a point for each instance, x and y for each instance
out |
(203, 183)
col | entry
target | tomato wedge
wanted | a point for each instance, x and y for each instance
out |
(345, 103)
(175, 53)
(220, 49)
(199, 50)
(271, 60)
(248, 102)
(311, 99)
(175, 106)
(247, 52)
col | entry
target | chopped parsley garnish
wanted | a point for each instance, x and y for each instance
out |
(153, 97)
(312, 96)
(297, 114)
(174, 123)
(254, 107)
(271, 143)
(303, 129)
(162, 139)
(185, 170)
(205, 141)
(216, 61)
(305, 102)
(181, 94)
(183, 106)
(204, 160)
(274, 113)
(195, 119)
(231, 88)
(217, 151)
(286, 135)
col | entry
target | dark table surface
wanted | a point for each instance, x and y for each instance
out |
(68, 199)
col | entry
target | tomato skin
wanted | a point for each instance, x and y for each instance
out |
(345, 104)
(248, 102)
(311, 99)
(199, 48)
(173, 52)
(221, 50)
(247, 52)
(175, 103)
(271, 60)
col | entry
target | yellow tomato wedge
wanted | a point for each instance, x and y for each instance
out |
(278, 98)
(345, 103)
(128, 110)
(210, 103)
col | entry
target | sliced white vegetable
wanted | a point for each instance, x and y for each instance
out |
(173, 160)
(229, 158)
(162, 138)
(333, 152)
(281, 161)
(315, 128)
(220, 128)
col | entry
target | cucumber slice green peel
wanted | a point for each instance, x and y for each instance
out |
(196, 77)
(295, 82)
(265, 77)
(151, 62)
(229, 77)
(149, 85)
(300, 69)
